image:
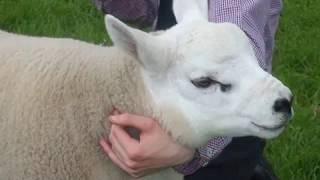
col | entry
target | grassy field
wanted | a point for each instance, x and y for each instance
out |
(296, 153)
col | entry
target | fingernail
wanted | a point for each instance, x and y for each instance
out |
(112, 118)
(102, 143)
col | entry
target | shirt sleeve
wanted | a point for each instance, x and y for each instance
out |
(138, 12)
(257, 18)
(203, 155)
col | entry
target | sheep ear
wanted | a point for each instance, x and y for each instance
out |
(121, 35)
(141, 45)
(187, 10)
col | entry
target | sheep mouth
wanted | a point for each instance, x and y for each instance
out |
(270, 128)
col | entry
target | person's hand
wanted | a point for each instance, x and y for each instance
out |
(154, 150)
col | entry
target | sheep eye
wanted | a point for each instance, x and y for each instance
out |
(203, 82)
(225, 87)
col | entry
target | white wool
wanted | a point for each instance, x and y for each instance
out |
(56, 95)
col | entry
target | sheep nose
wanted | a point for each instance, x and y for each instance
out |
(283, 105)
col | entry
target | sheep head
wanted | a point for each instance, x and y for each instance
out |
(209, 73)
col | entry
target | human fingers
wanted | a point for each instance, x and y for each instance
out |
(107, 148)
(124, 146)
(130, 120)
(131, 156)
(130, 145)
(117, 149)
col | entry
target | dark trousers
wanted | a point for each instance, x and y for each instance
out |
(239, 159)
(166, 17)
(236, 162)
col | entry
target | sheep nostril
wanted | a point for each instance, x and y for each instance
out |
(283, 106)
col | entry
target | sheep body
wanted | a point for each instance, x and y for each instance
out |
(55, 97)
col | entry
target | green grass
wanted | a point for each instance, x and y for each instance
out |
(59, 18)
(295, 155)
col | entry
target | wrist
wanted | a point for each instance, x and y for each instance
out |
(191, 166)
(187, 156)
(182, 155)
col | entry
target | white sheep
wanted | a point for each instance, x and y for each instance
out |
(198, 79)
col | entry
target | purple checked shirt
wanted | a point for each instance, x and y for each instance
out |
(257, 18)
